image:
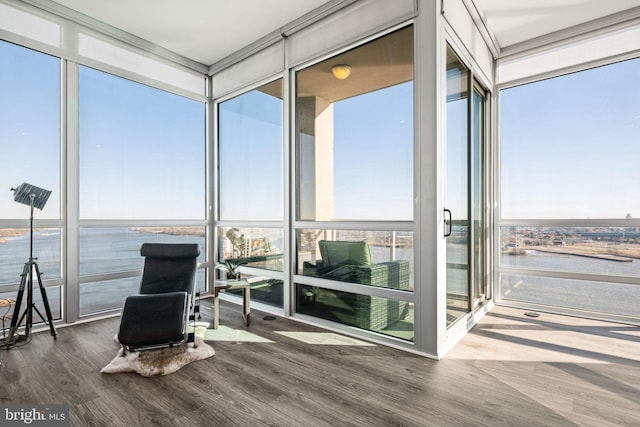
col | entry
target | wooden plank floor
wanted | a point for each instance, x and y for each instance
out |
(511, 370)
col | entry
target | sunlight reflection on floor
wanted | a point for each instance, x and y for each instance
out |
(224, 333)
(324, 338)
(506, 335)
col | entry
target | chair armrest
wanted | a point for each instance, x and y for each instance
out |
(309, 269)
(318, 269)
(390, 274)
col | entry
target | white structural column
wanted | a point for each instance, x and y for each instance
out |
(430, 292)
(315, 126)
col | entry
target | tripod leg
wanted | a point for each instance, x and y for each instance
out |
(13, 329)
(29, 307)
(45, 300)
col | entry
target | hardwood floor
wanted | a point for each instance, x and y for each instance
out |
(511, 370)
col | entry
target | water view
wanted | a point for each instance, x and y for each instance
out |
(606, 251)
(107, 250)
(102, 250)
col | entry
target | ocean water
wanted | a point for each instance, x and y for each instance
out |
(612, 298)
(104, 250)
(572, 263)
(14, 253)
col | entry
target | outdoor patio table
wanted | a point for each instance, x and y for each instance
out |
(232, 284)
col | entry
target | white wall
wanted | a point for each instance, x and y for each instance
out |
(605, 45)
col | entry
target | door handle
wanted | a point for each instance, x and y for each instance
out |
(447, 223)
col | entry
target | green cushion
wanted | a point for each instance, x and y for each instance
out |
(337, 253)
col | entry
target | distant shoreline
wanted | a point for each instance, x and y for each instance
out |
(173, 231)
(606, 257)
(618, 252)
(7, 233)
(12, 232)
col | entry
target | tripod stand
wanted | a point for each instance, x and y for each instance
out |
(27, 280)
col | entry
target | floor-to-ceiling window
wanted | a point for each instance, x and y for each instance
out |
(125, 159)
(354, 192)
(141, 179)
(338, 201)
(250, 228)
(570, 200)
(30, 152)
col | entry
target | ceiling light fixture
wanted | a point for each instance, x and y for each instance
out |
(341, 71)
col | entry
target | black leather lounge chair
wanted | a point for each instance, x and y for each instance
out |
(159, 315)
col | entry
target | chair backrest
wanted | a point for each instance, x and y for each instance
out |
(338, 253)
(169, 267)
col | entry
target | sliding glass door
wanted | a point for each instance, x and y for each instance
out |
(464, 190)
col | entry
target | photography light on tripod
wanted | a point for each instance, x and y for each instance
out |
(35, 197)
(28, 194)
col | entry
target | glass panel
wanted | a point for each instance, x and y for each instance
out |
(29, 128)
(14, 252)
(457, 188)
(597, 250)
(477, 195)
(142, 151)
(53, 297)
(602, 297)
(251, 173)
(263, 289)
(389, 317)
(355, 133)
(569, 145)
(109, 250)
(96, 297)
(374, 258)
(254, 247)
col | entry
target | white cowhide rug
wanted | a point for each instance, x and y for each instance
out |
(151, 363)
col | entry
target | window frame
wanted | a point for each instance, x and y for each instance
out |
(501, 269)
(298, 225)
(218, 223)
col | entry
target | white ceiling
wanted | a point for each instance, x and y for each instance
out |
(209, 30)
(202, 30)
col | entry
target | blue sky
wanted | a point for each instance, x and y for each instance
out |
(373, 155)
(29, 127)
(571, 145)
(456, 192)
(251, 167)
(142, 151)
